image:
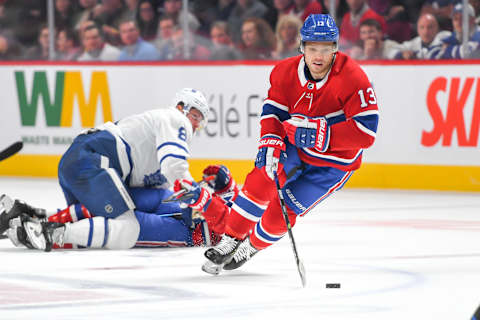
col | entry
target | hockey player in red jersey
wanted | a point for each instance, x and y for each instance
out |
(320, 114)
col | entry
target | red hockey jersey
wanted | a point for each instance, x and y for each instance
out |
(344, 96)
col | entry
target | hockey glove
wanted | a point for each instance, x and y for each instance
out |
(308, 133)
(195, 197)
(221, 182)
(271, 153)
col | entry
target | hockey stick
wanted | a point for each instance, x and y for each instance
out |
(11, 150)
(301, 268)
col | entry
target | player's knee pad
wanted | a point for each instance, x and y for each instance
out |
(123, 231)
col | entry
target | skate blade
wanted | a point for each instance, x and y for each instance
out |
(212, 268)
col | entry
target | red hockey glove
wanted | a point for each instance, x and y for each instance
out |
(195, 197)
(271, 153)
(220, 179)
(308, 133)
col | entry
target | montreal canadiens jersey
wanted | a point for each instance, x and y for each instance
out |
(345, 97)
(153, 147)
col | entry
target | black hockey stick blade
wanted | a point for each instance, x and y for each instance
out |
(11, 150)
(300, 266)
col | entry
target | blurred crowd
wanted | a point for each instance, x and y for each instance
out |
(161, 30)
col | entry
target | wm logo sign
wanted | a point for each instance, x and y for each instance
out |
(59, 107)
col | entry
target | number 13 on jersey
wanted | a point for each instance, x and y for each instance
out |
(370, 96)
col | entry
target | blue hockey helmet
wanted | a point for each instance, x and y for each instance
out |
(319, 28)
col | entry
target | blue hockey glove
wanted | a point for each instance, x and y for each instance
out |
(195, 197)
(308, 133)
(271, 153)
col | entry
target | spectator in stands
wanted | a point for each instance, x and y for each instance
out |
(244, 9)
(280, 8)
(9, 48)
(131, 7)
(452, 45)
(33, 11)
(224, 9)
(476, 7)
(163, 41)
(108, 16)
(442, 10)
(303, 8)
(83, 26)
(350, 27)
(341, 8)
(85, 12)
(397, 18)
(222, 45)
(41, 50)
(195, 50)
(67, 46)
(64, 13)
(287, 34)
(427, 44)
(258, 39)
(135, 48)
(372, 45)
(147, 20)
(95, 48)
(173, 9)
(206, 13)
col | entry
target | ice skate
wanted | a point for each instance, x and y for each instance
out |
(244, 252)
(10, 209)
(212, 268)
(223, 251)
(42, 235)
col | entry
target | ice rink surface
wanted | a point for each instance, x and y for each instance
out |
(395, 254)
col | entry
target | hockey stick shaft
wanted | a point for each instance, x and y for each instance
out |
(300, 267)
(11, 150)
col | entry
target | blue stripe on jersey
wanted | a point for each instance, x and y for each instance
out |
(172, 155)
(172, 144)
(264, 235)
(370, 122)
(271, 109)
(90, 233)
(249, 206)
(336, 119)
(105, 236)
(129, 156)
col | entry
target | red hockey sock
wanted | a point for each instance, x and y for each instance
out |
(72, 213)
(272, 227)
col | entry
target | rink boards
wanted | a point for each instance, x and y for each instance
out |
(427, 136)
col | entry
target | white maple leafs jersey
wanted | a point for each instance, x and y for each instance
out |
(153, 147)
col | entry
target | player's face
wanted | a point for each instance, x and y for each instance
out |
(319, 57)
(195, 118)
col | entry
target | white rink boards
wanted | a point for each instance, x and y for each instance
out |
(395, 254)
